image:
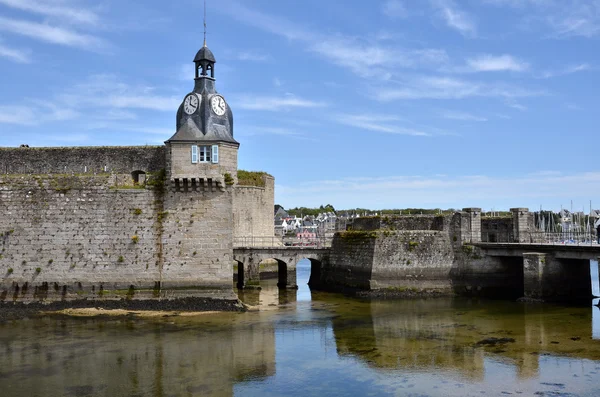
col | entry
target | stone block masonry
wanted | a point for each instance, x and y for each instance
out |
(253, 210)
(405, 254)
(82, 160)
(74, 237)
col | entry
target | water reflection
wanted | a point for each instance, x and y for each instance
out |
(303, 344)
(132, 358)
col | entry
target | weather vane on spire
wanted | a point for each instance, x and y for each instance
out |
(204, 23)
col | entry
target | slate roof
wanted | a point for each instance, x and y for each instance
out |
(204, 54)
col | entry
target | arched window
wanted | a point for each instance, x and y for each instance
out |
(138, 177)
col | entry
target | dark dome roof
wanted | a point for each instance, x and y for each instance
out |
(205, 55)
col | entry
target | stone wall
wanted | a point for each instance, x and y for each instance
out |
(351, 260)
(253, 210)
(82, 160)
(78, 236)
(401, 222)
(403, 253)
(496, 229)
(413, 259)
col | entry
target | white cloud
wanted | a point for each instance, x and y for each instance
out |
(254, 56)
(20, 115)
(102, 99)
(566, 71)
(275, 103)
(500, 63)
(402, 191)
(515, 105)
(152, 102)
(107, 91)
(378, 123)
(15, 55)
(273, 24)
(461, 116)
(52, 34)
(448, 88)
(565, 17)
(375, 60)
(252, 131)
(394, 9)
(60, 9)
(35, 113)
(455, 18)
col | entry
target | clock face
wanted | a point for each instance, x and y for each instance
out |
(190, 104)
(218, 105)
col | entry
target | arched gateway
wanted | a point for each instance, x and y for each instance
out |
(248, 260)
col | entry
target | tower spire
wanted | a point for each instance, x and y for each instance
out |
(204, 23)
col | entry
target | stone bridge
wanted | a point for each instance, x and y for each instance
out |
(543, 271)
(249, 258)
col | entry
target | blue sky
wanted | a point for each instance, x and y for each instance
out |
(377, 104)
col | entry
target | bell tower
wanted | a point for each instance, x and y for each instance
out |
(203, 150)
(201, 171)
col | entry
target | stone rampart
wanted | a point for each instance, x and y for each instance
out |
(253, 209)
(82, 160)
(402, 253)
(80, 236)
(402, 222)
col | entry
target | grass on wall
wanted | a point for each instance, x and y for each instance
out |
(251, 178)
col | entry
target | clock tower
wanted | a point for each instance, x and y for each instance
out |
(201, 171)
(203, 149)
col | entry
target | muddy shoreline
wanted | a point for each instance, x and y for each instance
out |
(15, 311)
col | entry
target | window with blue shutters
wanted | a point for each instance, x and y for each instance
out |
(194, 154)
(215, 154)
(205, 154)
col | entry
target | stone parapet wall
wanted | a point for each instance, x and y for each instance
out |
(402, 222)
(496, 229)
(413, 259)
(82, 160)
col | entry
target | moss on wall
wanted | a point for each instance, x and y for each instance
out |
(251, 178)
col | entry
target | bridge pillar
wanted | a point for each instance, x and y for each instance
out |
(520, 225)
(597, 273)
(556, 279)
(533, 272)
(474, 225)
(290, 278)
(251, 272)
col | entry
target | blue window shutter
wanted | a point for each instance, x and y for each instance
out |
(194, 154)
(215, 154)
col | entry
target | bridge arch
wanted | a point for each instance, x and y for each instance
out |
(287, 259)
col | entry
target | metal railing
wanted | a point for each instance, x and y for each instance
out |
(280, 242)
(541, 237)
(563, 238)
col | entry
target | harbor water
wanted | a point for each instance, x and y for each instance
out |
(303, 343)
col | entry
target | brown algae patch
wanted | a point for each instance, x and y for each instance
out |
(97, 312)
